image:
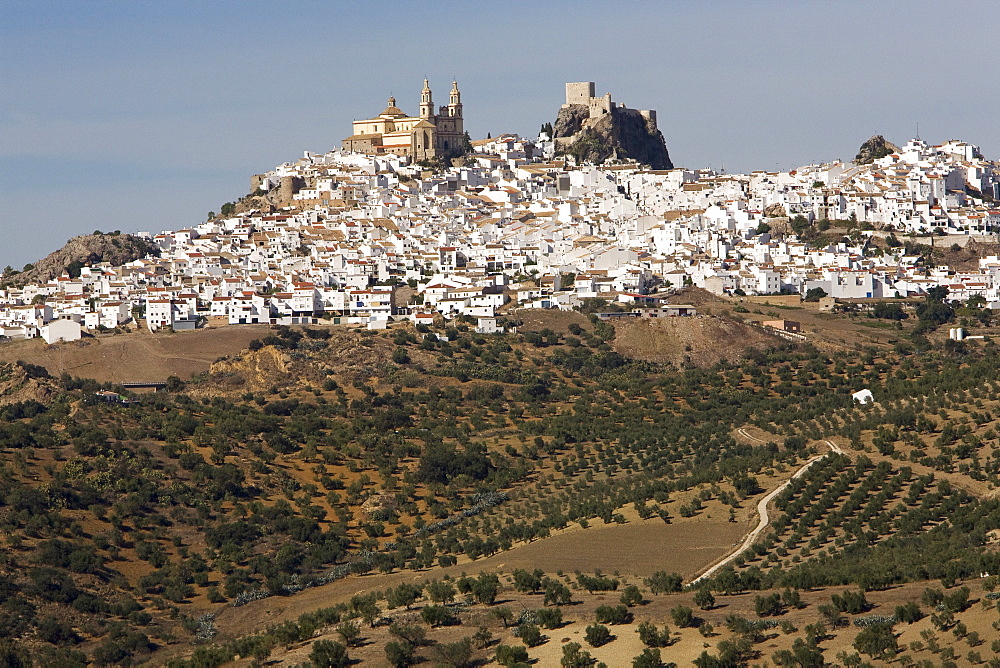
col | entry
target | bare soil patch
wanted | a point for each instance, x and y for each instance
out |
(636, 549)
(137, 356)
(698, 340)
(535, 320)
(967, 254)
(697, 297)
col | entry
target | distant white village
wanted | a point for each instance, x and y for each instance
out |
(367, 238)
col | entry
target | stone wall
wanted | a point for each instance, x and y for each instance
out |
(599, 106)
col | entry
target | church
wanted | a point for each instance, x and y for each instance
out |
(422, 137)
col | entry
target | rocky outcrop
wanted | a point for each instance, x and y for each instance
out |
(620, 135)
(775, 211)
(251, 370)
(85, 250)
(570, 120)
(873, 149)
(25, 382)
(267, 201)
(263, 203)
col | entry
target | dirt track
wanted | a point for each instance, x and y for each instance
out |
(762, 511)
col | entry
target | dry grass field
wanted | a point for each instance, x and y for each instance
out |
(634, 550)
(137, 355)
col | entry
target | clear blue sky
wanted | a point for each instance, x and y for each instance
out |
(145, 115)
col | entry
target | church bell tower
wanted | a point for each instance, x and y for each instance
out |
(455, 101)
(426, 103)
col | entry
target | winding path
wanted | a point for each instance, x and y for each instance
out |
(764, 517)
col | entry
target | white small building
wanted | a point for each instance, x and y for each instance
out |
(488, 326)
(18, 331)
(160, 314)
(61, 330)
(864, 397)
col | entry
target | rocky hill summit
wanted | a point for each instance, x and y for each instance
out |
(620, 134)
(876, 147)
(82, 251)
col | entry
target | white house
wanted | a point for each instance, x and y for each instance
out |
(18, 331)
(61, 330)
(159, 314)
(249, 308)
(488, 326)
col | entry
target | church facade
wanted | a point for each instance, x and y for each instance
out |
(422, 137)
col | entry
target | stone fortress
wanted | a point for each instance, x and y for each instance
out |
(596, 129)
(422, 137)
(582, 92)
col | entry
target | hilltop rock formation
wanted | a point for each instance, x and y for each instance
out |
(622, 134)
(775, 211)
(873, 149)
(264, 203)
(595, 129)
(84, 250)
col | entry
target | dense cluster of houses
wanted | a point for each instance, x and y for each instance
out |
(368, 238)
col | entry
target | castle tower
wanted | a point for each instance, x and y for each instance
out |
(455, 101)
(426, 103)
(580, 92)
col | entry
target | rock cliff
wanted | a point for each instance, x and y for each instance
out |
(873, 149)
(623, 134)
(88, 249)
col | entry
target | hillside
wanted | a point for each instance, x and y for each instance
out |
(702, 341)
(22, 382)
(317, 468)
(85, 250)
(136, 356)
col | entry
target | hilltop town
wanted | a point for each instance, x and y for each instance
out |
(514, 449)
(370, 235)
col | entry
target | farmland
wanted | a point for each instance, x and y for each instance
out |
(308, 467)
(920, 640)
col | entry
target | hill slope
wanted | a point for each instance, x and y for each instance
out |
(81, 251)
(699, 341)
(341, 462)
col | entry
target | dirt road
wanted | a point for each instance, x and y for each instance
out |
(762, 512)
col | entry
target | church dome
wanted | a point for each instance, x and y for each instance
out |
(392, 109)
